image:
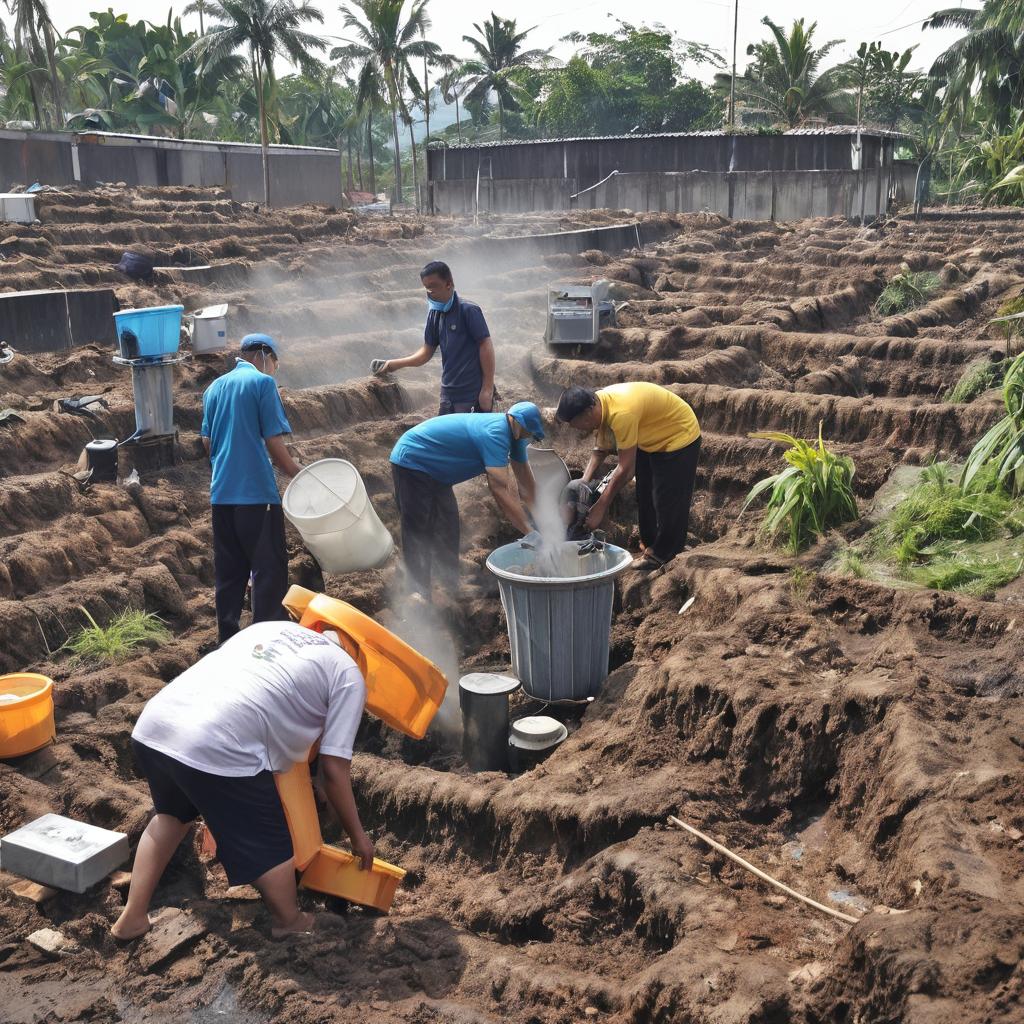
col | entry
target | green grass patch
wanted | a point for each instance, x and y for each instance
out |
(969, 574)
(975, 381)
(812, 495)
(907, 291)
(117, 640)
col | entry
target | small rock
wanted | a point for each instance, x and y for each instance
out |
(776, 900)
(241, 892)
(172, 933)
(591, 1011)
(380, 1006)
(52, 943)
(807, 974)
(727, 941)
(32, 891)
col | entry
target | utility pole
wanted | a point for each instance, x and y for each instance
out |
(732, 84)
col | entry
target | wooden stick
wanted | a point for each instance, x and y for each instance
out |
(760, 874)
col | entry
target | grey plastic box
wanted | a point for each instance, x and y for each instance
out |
(559, 626)
(63, 853)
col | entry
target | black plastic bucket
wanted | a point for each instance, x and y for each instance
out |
(101, 455)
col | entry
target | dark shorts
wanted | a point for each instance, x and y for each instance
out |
(244, 815)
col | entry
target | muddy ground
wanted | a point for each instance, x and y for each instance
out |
(861, 742)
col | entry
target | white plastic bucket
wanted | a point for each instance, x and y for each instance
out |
(210, 329)
(328, 504)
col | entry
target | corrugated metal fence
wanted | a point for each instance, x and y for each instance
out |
(298, 174)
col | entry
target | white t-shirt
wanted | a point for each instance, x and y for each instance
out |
(258, 703)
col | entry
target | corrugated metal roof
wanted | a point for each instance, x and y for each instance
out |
(832, 129)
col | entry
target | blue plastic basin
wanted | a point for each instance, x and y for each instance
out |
(144, 333)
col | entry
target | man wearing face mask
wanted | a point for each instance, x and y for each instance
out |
(459, 329)
(243, 430)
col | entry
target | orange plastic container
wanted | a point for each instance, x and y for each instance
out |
(327, 868)
(337, 872)
(26, 713)
(403, 688)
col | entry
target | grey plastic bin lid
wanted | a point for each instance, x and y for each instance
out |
(489, 683)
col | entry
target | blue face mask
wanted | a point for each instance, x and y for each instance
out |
(440, 307)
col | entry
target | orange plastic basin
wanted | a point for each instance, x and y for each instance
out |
(403, 688)
(26, 713)
(337, 872)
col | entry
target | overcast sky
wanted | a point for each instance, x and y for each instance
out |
(896, 23)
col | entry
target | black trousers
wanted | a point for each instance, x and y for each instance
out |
(664, 490)
(248, 539)
(430, 528)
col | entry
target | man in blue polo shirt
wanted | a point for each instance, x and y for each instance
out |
(438, 453)
(457, 327)
(243, 432)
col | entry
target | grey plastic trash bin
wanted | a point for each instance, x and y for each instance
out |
(559, 625)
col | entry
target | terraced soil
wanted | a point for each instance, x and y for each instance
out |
(862, 743)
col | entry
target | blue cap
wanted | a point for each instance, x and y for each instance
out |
(257, 340)
(527, 415)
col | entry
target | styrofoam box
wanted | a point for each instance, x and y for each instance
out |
(63, 853)
(17, 207)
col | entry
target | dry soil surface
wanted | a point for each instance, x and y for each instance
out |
(863, 743)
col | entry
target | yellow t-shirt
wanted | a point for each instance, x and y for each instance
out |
(646, 415)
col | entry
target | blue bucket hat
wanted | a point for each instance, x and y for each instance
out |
(527, 415)
(258, 341)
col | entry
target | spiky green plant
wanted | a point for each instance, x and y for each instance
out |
(811, 496)
(1010, 317)
(851, 563)
(997, 460)
(975, 381)
(907, 290)
(117, 640)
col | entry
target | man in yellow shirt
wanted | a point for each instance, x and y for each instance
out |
(657, 437)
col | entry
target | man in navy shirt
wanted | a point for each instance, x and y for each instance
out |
(438, 453)
(243, 432)
(459, 329)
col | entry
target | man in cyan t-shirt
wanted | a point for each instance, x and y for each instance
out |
(438, 453)
(210, 742)
(457, 327)
(243, 432)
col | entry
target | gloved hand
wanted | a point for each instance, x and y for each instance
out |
(377, 367)
(595, 542)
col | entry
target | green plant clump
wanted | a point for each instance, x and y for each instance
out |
(937, 515)
(814, 494)
(976, 380)
(970, 575)
(119, 638)
(907, 291)
(1011, 328)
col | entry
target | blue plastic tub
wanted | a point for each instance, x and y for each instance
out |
(143, 333)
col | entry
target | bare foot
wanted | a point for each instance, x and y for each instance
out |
(302, 925)
(126, 929)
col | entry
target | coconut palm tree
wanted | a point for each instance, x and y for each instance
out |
(785, 79)
(451, 83)
(386, 44)
(498, 56)
(988, 60)
(371, 98)
(264, 29)
(32, 20)
(201, 7)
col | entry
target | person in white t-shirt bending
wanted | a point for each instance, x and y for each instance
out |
(209, 743)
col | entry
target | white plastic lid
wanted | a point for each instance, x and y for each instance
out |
(488, 683)
(537, 732)
(212, 312)
(102, 444)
